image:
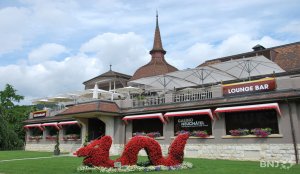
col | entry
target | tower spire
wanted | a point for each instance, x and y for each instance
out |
(157, 44)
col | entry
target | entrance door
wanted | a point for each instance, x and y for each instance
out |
(96, 128)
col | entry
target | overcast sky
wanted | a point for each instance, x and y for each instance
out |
(51, 47)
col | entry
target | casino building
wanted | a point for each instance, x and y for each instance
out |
(241, 107)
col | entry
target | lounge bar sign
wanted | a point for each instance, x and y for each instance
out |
(262, 85)
(41, 113)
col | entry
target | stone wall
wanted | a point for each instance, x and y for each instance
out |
(49, 147)
(251, 152)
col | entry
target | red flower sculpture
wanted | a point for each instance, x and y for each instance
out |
(97, 152)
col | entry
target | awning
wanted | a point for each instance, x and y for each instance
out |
(190, 113)
(34, 125)
(54, 124)
(146, 116)
(267, 106)
(68, 123)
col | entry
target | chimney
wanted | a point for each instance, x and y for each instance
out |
(258, 48)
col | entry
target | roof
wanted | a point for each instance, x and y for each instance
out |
(158, 65)
(153, 68)
(49, 119)
(109, 73)
(286, 56)
(95, 106)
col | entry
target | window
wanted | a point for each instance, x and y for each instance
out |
(51, 130)
(35, 131)
(72, 129)
(251, 120)
(193, 124)
(147, 126)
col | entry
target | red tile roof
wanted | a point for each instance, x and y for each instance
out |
(96, 106)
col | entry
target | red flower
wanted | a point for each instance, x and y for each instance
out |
(97, 152)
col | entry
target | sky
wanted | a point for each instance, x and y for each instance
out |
(49, 48)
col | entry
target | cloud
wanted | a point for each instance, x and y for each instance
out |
(121, 50)
(235, 44)
(51, 77)
(292, 27)
(50, 73)
(13, 21)
(46, 52)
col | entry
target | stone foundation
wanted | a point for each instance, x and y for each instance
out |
(49, 147)
(252, 152)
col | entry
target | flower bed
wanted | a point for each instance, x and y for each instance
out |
(97, 152)
(134, 168)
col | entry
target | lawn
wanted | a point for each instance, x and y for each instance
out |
(68, 164)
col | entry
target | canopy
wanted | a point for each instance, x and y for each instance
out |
(68, 123)
(267, 106)
(215, 73)
(145, 116)
(190, 113)
(54, 124)
(34, 125)
(130, 90)
(247, 67)
(43, 101)
(61, 99)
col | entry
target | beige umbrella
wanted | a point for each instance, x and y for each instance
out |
(130, 90)
(43, 101)
(61, 99)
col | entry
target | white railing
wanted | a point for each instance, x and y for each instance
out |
(193, 96)
(148, 101)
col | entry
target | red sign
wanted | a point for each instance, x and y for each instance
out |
(267, 84)
(39, 114)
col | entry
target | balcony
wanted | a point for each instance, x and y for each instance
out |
(185, 95)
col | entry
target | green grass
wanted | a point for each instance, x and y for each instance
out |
(68, 165)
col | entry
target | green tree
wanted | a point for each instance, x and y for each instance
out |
(11, 118)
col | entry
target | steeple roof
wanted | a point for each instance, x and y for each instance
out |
(157, 44)
(158, 65)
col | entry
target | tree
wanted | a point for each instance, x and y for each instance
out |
(11, 118)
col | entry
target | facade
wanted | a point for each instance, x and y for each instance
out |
(251, 117)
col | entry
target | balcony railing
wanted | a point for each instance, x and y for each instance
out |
(148, 101)
(194, 96)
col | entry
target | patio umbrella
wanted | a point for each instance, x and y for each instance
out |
(130, 90)
(61, 99)
(43, 101)
(248, 67)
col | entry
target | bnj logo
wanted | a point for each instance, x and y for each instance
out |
(285, 165)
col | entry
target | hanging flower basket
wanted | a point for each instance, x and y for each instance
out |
(239, 132)
(261, 132)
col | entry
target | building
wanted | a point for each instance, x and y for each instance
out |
(220, 103)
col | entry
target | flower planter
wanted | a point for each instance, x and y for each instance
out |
(239, 132)
(261, 132)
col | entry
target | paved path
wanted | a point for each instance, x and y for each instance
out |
(20, 159)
